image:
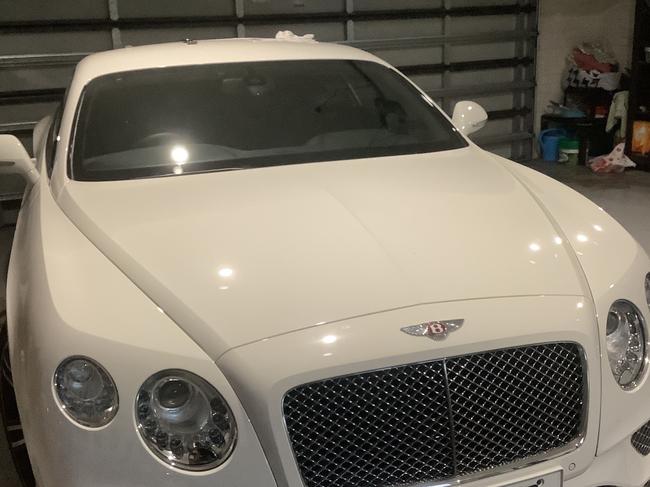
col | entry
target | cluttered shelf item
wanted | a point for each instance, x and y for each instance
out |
(587, 132)
(640, 138)
(591, 122)
(640, 114)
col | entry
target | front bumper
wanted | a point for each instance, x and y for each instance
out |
(263, 372)
(621, 466)
(256, 377)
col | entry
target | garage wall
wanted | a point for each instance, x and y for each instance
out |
(454, 49)
(564, 24)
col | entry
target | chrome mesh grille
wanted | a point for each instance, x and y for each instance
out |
(513, 404)
(436, 420)
(641, 439)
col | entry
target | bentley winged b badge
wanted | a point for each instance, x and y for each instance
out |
(436, 330)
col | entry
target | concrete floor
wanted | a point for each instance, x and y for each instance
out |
(625, 196)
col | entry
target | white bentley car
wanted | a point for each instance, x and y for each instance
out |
(269, 262)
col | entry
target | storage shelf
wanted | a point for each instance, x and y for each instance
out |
(639, 84)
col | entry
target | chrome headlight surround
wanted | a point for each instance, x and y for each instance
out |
(625, 336)
(184, 420)
(85, 391)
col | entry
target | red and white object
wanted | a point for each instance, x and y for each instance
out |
(616, 161)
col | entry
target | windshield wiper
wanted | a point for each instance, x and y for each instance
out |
(204, 171)
(226, 169)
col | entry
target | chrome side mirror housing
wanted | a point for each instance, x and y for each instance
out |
(469, 117)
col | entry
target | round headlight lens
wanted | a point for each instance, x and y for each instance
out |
(86, 391)
(185, 421)
(625, 342)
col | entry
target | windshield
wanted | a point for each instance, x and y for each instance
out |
(188, 119)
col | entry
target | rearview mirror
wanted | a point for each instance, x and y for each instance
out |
(469, 117)
(14, 159)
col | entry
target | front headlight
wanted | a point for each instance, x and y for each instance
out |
(625, 342)
(185, 421)
(86, 391)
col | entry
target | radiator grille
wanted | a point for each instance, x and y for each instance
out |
(641, 439)
(436, 420)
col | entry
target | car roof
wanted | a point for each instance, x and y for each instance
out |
(214, 51)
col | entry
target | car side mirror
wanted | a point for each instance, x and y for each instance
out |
(469, 117)
(14, 159)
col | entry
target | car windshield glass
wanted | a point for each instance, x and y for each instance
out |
(218, 117)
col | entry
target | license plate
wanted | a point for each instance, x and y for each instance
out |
(553, 479)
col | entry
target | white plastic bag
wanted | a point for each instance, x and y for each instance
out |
(616, 161)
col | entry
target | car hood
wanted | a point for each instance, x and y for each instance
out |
(241, 256)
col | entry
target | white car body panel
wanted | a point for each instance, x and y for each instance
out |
(323, 242)
(65, 298)
(128, 273)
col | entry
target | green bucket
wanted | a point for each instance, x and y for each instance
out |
(569, 149)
